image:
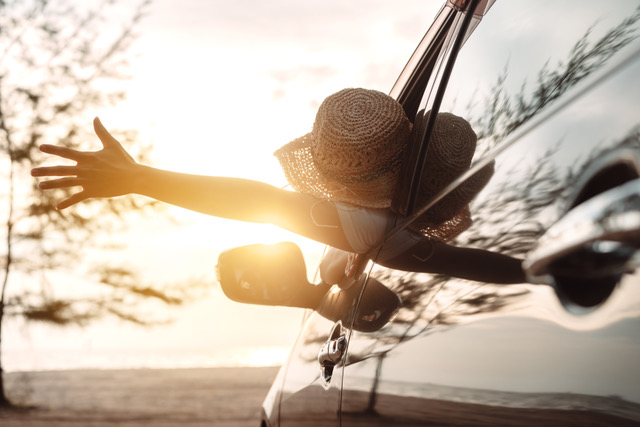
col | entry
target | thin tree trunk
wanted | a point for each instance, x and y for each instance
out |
(4, 401)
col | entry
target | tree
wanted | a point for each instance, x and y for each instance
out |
(56, 62)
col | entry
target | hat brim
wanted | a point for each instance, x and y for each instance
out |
(302, 173)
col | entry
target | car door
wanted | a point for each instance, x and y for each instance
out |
(552, 94)
(309, 393)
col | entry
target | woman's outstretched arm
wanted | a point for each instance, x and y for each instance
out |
(465, 263)
(112, 172)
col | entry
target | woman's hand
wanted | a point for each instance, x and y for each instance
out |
(342, 268)
(109, 172)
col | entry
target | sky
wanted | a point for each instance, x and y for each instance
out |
(216, 87)
(221, 77)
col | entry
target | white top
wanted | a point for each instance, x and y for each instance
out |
(365, 228)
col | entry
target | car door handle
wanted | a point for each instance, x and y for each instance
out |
(331, 352)
(611, 216)
(585, 254)
(330, 355)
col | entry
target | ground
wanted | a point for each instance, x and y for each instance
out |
(160, 397)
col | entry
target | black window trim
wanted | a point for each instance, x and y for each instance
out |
(409, 183)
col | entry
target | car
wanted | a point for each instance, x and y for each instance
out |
(552, 92)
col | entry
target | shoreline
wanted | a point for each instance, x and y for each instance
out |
(218, 396)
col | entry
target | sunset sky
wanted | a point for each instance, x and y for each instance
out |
(218, 86)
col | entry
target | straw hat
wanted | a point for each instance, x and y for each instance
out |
(451, 149)
(353, 153)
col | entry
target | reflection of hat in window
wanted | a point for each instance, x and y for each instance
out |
(450, 152)
(353, 153)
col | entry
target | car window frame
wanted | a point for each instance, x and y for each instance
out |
(434, 55)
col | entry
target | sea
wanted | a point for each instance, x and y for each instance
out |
(72, 359)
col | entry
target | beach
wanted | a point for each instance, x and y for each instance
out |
(139, 397)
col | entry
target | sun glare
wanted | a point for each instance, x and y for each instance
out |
(266, 356)
(217, 96)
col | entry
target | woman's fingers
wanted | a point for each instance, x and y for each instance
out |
(60, 183)
(65, 152)
(76, 198)
(55, 171)
(104, 135)
(355, 265)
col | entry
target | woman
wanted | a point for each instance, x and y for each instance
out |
(345, 171)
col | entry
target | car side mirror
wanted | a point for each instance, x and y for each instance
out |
(268, 274)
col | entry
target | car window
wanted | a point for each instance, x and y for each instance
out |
(520, 63)
(410, 85)
(517, 65)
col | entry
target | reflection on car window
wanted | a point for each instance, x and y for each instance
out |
(533, 66)
(500, 83)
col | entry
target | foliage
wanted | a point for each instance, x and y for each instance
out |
(59, 61)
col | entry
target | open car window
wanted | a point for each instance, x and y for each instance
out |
(421, 86)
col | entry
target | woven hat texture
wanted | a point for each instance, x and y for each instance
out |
(353, 155)
(451, 149)
(353, 152)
